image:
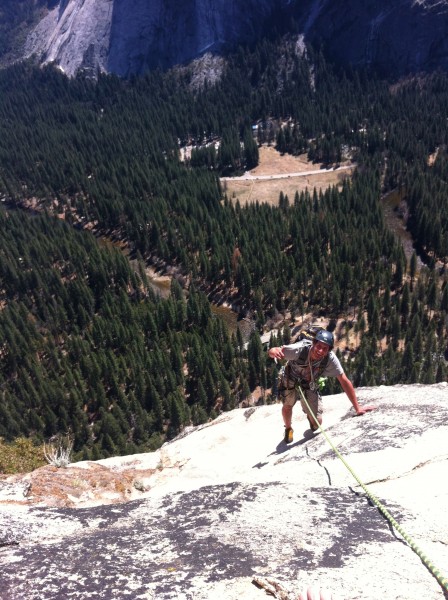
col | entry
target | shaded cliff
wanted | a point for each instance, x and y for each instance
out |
(131, 36)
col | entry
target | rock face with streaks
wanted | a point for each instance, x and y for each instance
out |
(228, 504)
(131, 36)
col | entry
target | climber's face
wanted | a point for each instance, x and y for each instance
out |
(319, 350)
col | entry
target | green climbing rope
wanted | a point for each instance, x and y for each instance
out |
(434, 570)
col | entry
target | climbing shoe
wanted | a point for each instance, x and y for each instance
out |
(289, 435)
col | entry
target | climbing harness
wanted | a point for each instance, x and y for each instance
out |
(432, 568)
(313, 384)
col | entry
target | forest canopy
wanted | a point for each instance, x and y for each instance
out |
(87, 346)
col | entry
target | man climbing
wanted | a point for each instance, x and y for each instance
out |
(308, 361)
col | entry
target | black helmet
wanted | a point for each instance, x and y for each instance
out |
(325, 336)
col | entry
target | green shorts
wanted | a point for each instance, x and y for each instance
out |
(289, 395)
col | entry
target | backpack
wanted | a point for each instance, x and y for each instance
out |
(308, 332)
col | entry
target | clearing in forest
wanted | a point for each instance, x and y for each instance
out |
(277, 173)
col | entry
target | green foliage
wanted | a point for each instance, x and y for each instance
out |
(86, 347)
(20, 456)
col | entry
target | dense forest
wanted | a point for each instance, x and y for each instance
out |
(87, 346)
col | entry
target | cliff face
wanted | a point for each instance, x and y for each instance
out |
(131, 36)
(397, 38)
(162, 33)
(75, 34)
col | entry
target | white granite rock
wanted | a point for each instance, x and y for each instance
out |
(228, 504)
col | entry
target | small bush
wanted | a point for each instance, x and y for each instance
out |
(59, 450)
(20, 456)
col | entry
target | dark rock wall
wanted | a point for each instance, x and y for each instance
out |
(405, 37)
(163, 33)
(131, 36)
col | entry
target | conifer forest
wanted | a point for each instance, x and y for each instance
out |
(93, 192)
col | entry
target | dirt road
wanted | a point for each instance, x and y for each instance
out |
(248, 176)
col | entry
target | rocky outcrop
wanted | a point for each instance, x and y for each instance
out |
(229, 511)
(131, 36)
(75, 35)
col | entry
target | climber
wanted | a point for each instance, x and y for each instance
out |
(308, 362)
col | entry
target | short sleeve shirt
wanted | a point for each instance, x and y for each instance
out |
(299, 364)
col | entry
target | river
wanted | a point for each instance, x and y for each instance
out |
(162, 286)
(391, 204)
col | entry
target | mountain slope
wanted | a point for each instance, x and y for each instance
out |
(228, 502)
(127, 38)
